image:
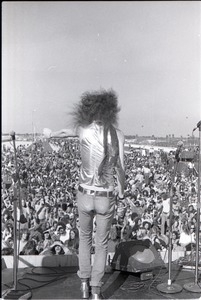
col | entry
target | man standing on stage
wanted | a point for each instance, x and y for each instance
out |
(102, 152)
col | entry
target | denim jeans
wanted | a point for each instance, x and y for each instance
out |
(103, 208)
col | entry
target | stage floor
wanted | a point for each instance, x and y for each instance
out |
(63, 283)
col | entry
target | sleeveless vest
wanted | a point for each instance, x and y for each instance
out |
(99, 154)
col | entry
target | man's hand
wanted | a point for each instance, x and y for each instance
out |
(47, 133)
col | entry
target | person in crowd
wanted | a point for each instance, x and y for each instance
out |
(180, 146)
(146, 224)
(7, 211)
(7, 238)
(187, 236)
(147, 173)
(47, 226)
(142, 235)
(102, 150)
(121, 211)
(176, 223)
(47, 240)
(7, 231)
(176, 246)
(126, 232)
(129, 232)
(30, 248)
(7, 179)
(64, 232)
(36, 228)
(165, 213)
(7, 246)
(73, 242)
(113, 239)
(57, 248)
(190, 212)
(42, 209)
(25, 210)
(160, 242)
(23, 240)
(53, 228)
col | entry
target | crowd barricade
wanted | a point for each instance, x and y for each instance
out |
(29, 261)
(67, 260)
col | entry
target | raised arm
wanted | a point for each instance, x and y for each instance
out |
(63, 133)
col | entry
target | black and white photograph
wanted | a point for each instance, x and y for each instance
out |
(101, 150)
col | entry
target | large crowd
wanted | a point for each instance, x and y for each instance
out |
(44, 187)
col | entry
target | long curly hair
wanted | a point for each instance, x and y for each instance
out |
(99, 106)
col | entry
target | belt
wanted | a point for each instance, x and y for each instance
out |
(108, 194)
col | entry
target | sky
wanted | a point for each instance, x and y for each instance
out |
(147, 51)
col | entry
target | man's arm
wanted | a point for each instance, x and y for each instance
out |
(120, 166)
(63, 133)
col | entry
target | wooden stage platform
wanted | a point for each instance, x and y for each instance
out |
(63, 283)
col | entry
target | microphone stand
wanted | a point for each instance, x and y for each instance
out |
(196, 285)
(169, 287)
(15, 293)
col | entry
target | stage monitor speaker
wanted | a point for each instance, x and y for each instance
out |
(136, 256)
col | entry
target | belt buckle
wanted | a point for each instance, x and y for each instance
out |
(91, 192)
